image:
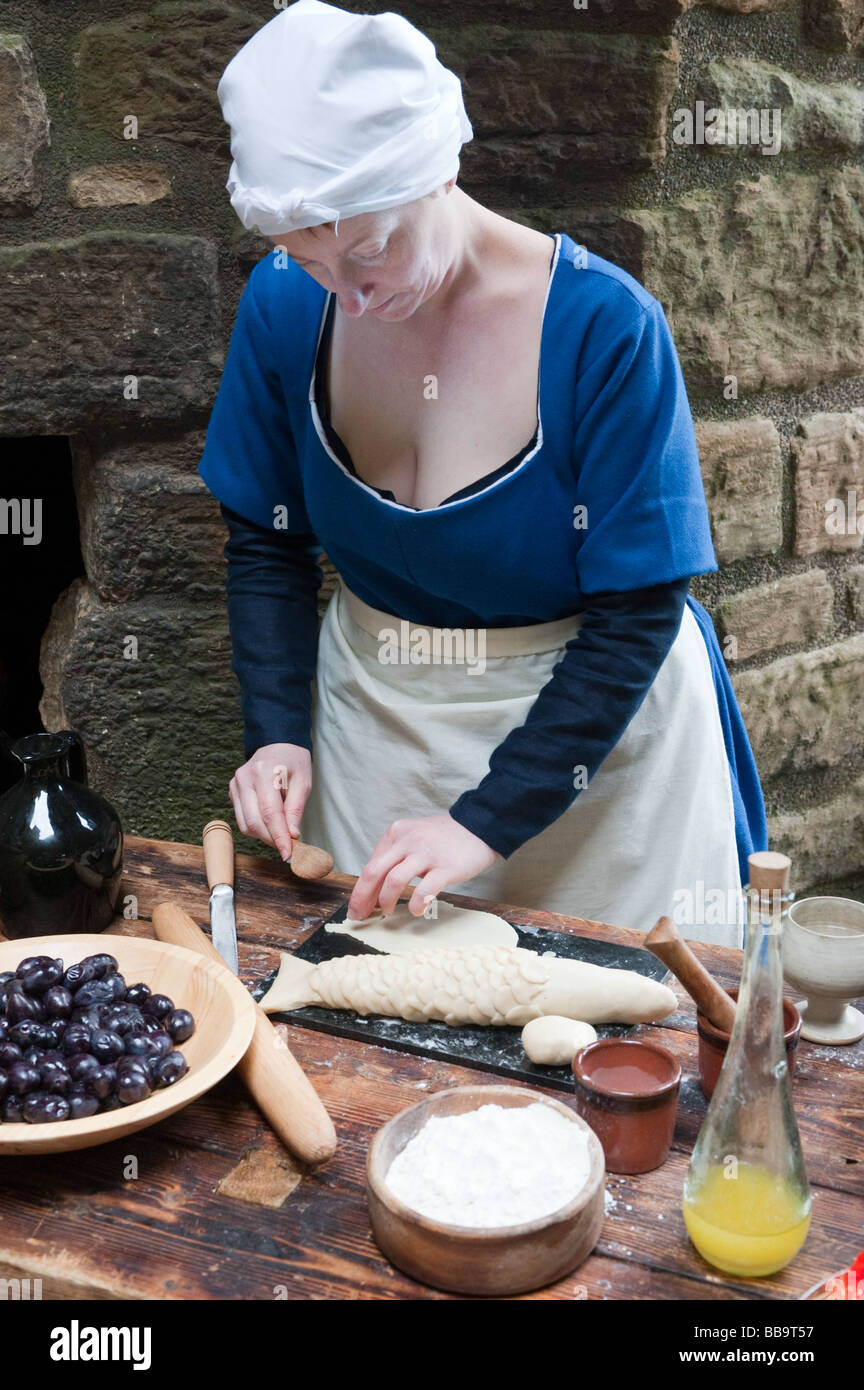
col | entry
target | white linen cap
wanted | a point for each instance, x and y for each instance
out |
(333, 114)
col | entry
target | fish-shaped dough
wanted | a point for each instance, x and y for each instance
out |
(496, 985)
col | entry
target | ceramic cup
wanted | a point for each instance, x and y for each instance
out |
(627, 1090)
(823, 956)
(713, 1042)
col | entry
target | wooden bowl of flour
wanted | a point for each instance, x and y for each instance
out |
(484, 1260)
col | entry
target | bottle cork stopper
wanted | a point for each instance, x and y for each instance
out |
(769, 872)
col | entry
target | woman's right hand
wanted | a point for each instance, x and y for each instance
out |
(269, 791)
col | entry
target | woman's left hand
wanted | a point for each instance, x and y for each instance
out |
(437, 848)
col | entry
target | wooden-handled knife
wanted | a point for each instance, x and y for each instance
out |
(219, 864)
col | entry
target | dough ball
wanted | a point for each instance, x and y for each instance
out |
(553, 1041)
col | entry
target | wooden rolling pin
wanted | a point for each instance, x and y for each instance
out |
(665, 942)
(272, 1074)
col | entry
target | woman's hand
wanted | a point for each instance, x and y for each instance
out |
(269, 792)
(437, 848)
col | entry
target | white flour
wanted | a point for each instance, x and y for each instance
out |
(496, 1166)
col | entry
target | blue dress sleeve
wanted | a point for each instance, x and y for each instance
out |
(578, 717)
(645, 518)
(273, 582)
(250, 459)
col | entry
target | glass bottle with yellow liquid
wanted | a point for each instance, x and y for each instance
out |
(746, 1196)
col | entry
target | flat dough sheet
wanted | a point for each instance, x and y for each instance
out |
(454, 926)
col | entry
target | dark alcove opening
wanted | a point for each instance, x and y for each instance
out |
(33, 572)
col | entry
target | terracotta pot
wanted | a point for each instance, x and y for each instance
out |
(633, 1114)
(714, 1041)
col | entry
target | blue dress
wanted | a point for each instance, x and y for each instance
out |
(608, 500)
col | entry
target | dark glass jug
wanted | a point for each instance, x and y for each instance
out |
(61, 844)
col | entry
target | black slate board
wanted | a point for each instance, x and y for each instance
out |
(488, 1049)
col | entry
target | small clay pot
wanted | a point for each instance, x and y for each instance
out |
(713, 1042)
(633, 1113)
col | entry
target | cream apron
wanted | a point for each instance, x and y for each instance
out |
(652, 833)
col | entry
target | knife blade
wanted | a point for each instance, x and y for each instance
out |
(219, 863)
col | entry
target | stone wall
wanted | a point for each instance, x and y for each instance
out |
(123, 262)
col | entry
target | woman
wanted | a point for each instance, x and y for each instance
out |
(513, 694)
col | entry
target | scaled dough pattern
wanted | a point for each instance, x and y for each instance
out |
(495, 985)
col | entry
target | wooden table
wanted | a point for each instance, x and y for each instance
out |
(143, 1218)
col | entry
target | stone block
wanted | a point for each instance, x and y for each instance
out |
(805, 713)
(161, 65)
(87, 323)
(545, 112)
(835, 24)
(742, 473)
(828, 454)
(25, 128)
(795, 609)
(762, 280)
(118, 185)
(824, 842)
(812, 115)
(148, 527)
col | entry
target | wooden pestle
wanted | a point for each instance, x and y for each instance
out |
(665, 942)
(307, 861)
(275, 1078)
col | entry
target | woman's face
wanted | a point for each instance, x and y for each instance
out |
(384, 264)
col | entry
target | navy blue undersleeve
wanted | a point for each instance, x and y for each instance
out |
(576, 720)
(272, 589)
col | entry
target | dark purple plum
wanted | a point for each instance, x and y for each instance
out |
(57, 1001)
(94, 992)
(82, 1105)
(25, 1033)
(100, 1083)
(105, 964)
(40, 973)
(171, 1068)
(157, 1006)
(81, 1042)
(76, 1039)
(47, 1037)
(131, 1087)
(106, 1046)
(23, 1078)
(20, 1006)
(82, 1066)
(42, 1109)
(180, 1024)
(122, 1018)
(55, 1077)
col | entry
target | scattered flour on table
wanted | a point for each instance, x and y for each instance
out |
(495, 1166)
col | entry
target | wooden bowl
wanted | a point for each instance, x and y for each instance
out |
(491, 1261)
(224, 1014)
